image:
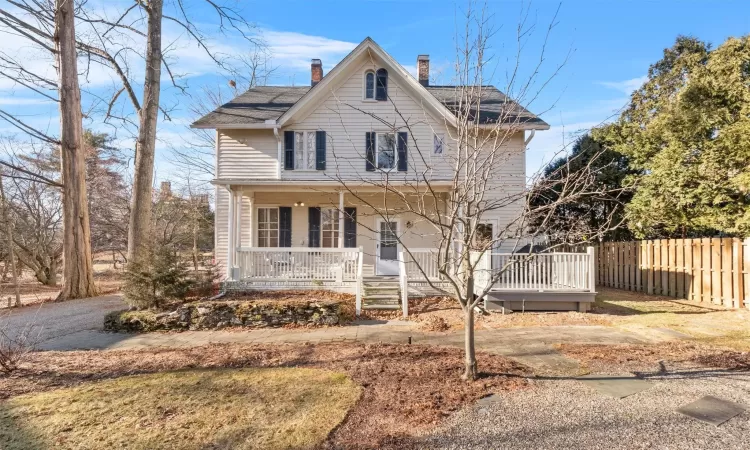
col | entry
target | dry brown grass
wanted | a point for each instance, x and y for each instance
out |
(406, 389)
(707, 323)
(704, 322)
(446, 312)
(654, 357)
(276, 408)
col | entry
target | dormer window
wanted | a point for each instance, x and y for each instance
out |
(381, 87)
(370, 85)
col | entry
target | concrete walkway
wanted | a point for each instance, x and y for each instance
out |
(530, 346)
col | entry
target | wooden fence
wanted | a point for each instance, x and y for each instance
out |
(715, 270)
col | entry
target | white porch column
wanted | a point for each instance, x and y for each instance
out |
(238, 241)
(341, 219)
(251, 218)
(231, 234)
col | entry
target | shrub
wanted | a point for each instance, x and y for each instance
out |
(205, 280)
(158, 278)
(15, 347)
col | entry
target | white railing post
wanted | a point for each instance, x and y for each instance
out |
(592, 268)
(404, 283)
(231, 234)
(358, 304)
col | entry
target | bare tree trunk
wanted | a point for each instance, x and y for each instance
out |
(11, 251)
(470, 357)
(78, 270)
(140, 218)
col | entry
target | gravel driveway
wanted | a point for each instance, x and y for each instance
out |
(60, 319)
(566, 414)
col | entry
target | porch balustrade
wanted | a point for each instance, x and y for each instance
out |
(298, 264)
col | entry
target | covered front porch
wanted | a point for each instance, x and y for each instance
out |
(323, 237)
(294, 232)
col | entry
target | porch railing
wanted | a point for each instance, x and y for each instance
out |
(424, 258)
(298, 264)
(538, 272)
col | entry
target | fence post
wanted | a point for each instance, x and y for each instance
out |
(744, 267)
(650, 268)
(592, 268)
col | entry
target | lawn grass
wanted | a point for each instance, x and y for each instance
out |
(405, 389)
(271, 408)
(703, 322)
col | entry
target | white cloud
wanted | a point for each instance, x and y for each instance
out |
(295, 50)
(15, 101)
(625, 86)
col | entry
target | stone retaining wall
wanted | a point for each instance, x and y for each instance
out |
(213, 315)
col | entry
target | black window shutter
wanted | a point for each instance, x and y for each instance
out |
(370, 156)
(313, 226)
(402, 153)
(381, 84)
(320, 150)
(285, 226)
(289, 150)
(350, 227)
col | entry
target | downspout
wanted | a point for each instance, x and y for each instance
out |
(528, 139)
(279, 153)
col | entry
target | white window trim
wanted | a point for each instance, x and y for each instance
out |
(305, 151)
(335, 232)
(257, 224)
(364, 86)
(395, 150)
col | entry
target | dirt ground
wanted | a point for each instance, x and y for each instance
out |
(107, 276)
(406, 389)
(712, 324)
(662, 357)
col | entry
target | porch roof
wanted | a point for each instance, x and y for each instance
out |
(333, 185)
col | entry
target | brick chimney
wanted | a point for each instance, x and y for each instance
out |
(165, 191)
(423, 69)
(316, 72)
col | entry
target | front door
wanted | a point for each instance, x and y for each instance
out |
(386, 262)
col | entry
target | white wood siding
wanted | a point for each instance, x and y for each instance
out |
(346, 126)
(248, 154)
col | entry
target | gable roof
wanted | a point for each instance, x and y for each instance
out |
(270, 106)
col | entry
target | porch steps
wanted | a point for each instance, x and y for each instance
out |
(381, 293)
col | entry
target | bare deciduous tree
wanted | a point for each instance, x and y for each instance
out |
(78, 265)
(8, 228)
(452, 190)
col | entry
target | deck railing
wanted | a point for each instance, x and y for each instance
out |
(424, 258)
(537, 272)
(298, 264)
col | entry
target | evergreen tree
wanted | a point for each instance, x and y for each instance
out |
(687, 132)
(608, 194)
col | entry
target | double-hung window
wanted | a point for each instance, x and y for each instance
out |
(329, 227)
(304, 150)
(268, 227)
(386, 150)
(438, 142)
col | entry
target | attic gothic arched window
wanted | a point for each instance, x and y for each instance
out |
(370, 85)
(381, 87)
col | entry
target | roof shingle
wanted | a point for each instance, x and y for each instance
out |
(259, 104)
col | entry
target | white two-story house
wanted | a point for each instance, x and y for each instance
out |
(293, 164)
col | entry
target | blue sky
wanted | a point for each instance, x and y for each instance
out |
(609, 46)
